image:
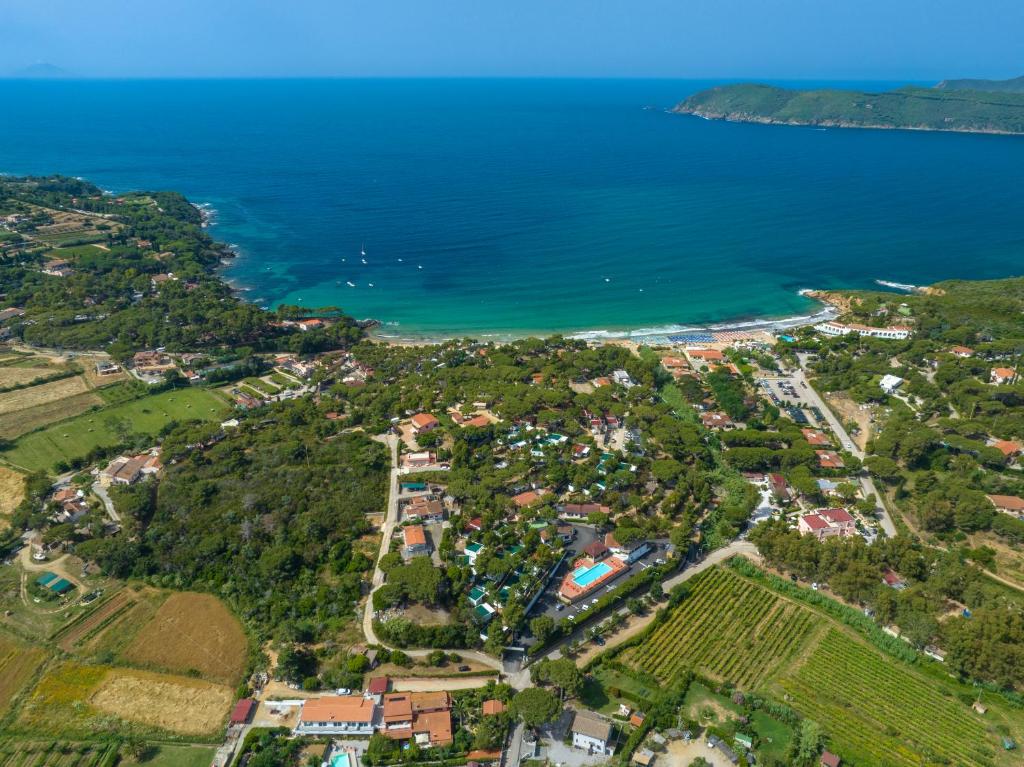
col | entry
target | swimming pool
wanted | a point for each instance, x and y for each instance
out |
(341, 759)
(584, 576)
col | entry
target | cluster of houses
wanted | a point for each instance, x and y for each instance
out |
(71, 503)
(421, 718)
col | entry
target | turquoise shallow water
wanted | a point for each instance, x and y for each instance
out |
(541, 205)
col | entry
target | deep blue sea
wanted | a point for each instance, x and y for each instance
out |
(515, 206)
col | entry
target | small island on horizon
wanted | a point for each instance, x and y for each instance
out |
(962, 106)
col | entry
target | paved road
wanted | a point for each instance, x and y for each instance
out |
(866, 483)
(108, 504)
(512, 755)
(387, 530)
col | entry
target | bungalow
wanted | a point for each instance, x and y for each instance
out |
(414, 542)
(58, 267)
(829, 459)
(621, 377)
(472, 551)
(336, 715)
(1008, 447)
(643, 757)
(826, 523)
(492, 707)
(705, 356)
(1008, 504)
(478, 422)
(828, 759)
(892, 580)
(816, 437)
(313, 323)
(424, 717)
(677, 366)
(424, 422)
(716, 420)
(106, 368)
(159, 279)
(890, 383)
(581, 511)
(424, 509)
(1000, 376)
(528, 498)
(963, 352)
(828, 487)
(419, 460)
(780, 488)
(580, 451)
(596, 550)
(592, 733)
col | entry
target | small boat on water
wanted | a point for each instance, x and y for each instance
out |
(364, 260)
(350, 284)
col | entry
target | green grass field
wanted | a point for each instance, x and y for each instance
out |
(75, 437)
(875, 708)
(175, 756)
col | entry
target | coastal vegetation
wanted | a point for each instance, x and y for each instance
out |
(940, 109)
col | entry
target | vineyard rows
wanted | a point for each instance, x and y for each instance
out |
(887, 715)
(15, 754)
(727, 627)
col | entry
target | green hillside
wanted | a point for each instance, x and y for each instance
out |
(910, 108)
(1013, 85)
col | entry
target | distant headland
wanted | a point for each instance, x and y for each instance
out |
(964, 106)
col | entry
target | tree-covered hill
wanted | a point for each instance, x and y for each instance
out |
(1013, 85)
(908, 108)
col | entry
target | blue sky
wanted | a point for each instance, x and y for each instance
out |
(782, 39)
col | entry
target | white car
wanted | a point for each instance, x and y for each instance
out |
(343, 691)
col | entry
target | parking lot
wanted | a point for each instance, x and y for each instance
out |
(786, 393)
(549, 604)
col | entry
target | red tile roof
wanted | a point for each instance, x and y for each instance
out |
(414, 535)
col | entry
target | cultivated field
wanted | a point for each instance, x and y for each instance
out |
(192, 633)
(875, 709)
(877, 712)
(77, 700)
(94, 623)
(728, 628)
(16, 374)
(172, 703)
(74, 438)
(18, 752)
(18, 662)
(12, 491)
(42, 394)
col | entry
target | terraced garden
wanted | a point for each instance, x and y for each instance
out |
(728, 628)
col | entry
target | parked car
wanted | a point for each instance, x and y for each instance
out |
(463, 668)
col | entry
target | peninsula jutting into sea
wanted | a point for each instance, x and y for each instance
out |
(962, 106)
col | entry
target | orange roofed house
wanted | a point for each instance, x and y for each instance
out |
(1001, 376)
(1008, 504)
(828, 459)
(421, 716)
(424, 422)
(336, 715)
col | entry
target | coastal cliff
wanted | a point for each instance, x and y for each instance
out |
(910, 108)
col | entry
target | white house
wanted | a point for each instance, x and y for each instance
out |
(336, 715)
(592, 733)
(890, 383)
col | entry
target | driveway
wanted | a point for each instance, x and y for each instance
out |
(390, 523)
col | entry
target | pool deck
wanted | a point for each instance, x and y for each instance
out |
(571, 591)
